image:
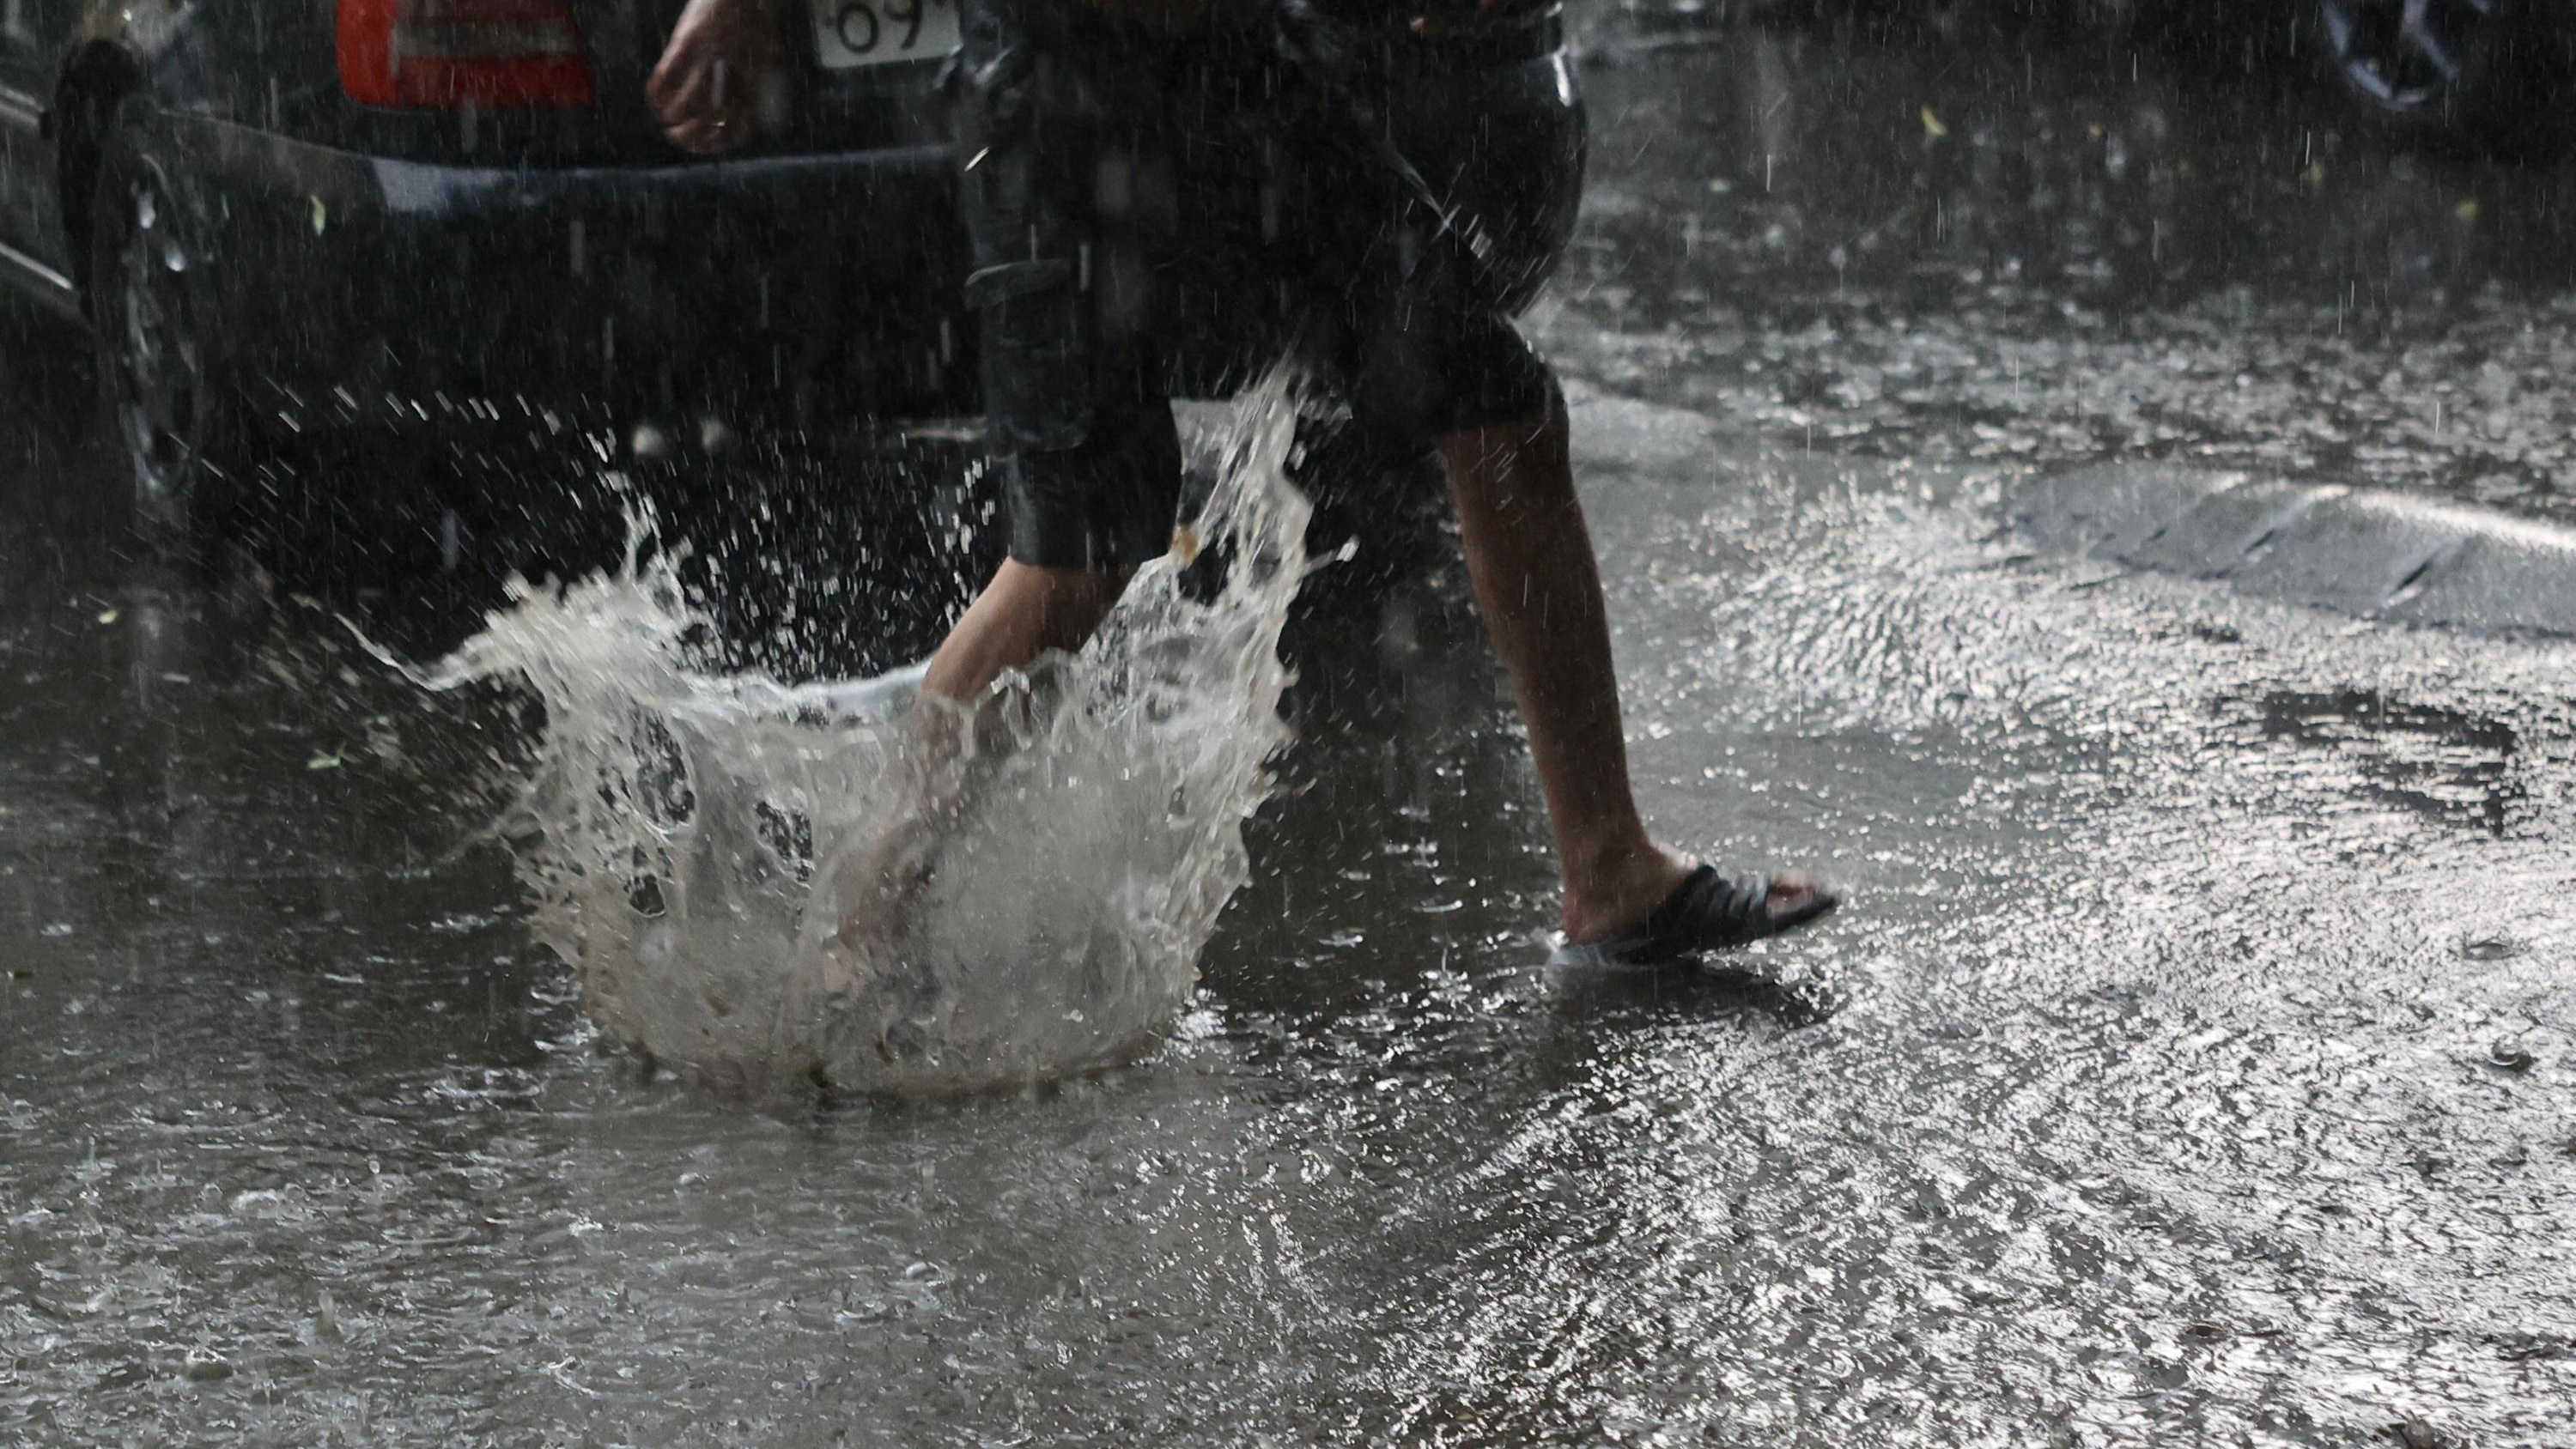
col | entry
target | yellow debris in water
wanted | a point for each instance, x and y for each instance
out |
(1932, 128)
(2467, 211)
(1185, 543)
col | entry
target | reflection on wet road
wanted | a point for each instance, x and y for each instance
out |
(2041, 250)
(2196, 1066)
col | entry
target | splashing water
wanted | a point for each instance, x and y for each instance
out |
(694, 841)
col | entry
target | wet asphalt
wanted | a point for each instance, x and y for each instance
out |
(2049, 244)
(2190, 1067)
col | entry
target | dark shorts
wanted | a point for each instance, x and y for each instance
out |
(1156, 216)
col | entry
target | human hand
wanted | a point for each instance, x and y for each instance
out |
(713, 77)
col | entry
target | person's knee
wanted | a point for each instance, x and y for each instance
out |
(1075, 598)
(1516, 464)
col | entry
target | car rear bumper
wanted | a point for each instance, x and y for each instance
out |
(346, 289)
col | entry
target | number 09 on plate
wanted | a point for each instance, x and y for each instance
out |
(853, 33)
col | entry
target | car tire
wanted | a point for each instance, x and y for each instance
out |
(175, 428)
(2477, 75)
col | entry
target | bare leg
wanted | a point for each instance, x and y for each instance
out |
(1021, 614)
(1024, 612)
(1529, 558)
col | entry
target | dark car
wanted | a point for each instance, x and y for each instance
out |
(286, 217)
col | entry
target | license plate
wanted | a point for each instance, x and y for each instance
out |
(852, 33)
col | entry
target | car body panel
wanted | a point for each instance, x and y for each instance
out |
(636, 286)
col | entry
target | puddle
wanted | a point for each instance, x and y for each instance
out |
(2443, 763)
(705, 848)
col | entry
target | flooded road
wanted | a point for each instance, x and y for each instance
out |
(2191, 1066)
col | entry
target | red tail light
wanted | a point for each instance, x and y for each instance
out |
(444, 54)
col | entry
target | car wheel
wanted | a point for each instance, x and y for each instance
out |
(173, 426)
(2460, 72)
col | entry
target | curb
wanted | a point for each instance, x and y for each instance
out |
(2375, 553)
(2368, 552)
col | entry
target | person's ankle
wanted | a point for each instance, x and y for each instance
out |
(1617, 890)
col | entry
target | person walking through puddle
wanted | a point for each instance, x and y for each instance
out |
(1107, 145)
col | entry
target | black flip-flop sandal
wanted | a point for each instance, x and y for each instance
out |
(1706, 912)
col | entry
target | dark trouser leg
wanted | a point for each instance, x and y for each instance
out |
(1088, 461)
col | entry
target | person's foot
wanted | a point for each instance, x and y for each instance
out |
(1606, 897)
(887, 882)
(883, 884)
(1703, 910)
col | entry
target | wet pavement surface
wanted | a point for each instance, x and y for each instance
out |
(2040, 247)
(2190, 1067)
